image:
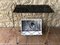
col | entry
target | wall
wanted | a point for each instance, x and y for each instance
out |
(7, 7)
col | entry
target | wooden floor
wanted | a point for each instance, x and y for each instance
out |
(12, 36)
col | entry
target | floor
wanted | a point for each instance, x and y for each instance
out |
(12, 36)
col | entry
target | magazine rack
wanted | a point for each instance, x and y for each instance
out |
(27, 25)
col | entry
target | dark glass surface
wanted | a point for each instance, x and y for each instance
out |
(33, 9)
